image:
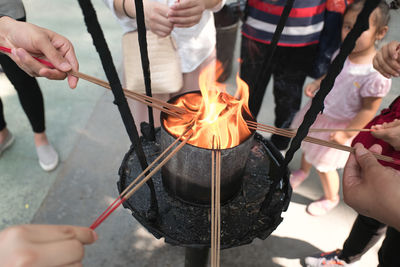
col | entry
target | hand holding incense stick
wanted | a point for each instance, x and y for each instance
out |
(26, 38)
(150, 101)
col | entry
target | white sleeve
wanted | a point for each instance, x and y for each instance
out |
(126, 23)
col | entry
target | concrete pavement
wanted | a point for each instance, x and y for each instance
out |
(86, 129)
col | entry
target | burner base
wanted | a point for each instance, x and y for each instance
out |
(241, 218)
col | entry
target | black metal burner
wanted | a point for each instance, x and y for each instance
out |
(242, 218)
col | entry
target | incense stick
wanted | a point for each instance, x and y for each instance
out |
(332, 130)
(218, 201)
(215, 203)
(290, 134)
(150, 101)
(141, 175)
(127, 193)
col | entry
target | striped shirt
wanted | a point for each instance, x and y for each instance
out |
(303, 26)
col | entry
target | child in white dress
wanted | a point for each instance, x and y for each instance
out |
(352, 103)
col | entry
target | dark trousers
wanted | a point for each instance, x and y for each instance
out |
(364, 234)
(29, 95)
(290, 66)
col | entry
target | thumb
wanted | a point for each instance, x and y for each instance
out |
(54, 56)
(365, 158)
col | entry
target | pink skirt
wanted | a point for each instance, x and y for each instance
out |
(324, 159)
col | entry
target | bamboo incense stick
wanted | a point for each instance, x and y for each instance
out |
(128, 193)
(213, 205)
(218, 201)
(150, 101)
(290, 134)
(332, 130)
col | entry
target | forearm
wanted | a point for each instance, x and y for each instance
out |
(209, 4)
(125, 8)
(317, 82)
(360, 120)
(4, 29)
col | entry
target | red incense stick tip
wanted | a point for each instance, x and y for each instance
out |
(105, 215)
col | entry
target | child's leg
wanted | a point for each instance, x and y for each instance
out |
(305, 165)
(301, 174)
(330, 184)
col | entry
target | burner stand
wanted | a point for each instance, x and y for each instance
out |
(186, 225)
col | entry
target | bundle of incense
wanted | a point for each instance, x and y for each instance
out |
(135, 185)
(150, 101)
(291, 134)
(332, 130)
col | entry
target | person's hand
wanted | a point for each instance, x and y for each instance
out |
(26, 39)
(370, 188)
(388, 132)
(311, 89)
(156, 18)
(387, 60)
(339, 137)
(44, 245)
(186, 13)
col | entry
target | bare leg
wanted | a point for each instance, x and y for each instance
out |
(301, 174)
(41, 139)
(305, 165)
(330, 184)
(191, 79)
(3, 135)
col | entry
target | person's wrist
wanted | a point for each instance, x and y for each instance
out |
(125, 9)
(4, 28)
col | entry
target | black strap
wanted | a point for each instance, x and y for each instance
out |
(261, 83)
(142, 38)
(100, 43)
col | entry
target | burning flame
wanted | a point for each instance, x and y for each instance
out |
(215, 114)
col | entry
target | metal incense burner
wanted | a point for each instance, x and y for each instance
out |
(251, 208)
(187, 175)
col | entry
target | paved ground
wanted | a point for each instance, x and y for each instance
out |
(86, 129)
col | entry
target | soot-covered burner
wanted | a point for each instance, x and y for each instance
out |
(242, 218)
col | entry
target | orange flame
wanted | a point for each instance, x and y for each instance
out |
(214, 113)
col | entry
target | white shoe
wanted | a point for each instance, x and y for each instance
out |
(48, 157)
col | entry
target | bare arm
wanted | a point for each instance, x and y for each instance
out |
(370, 106)
(311, 89)
(155, 15)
